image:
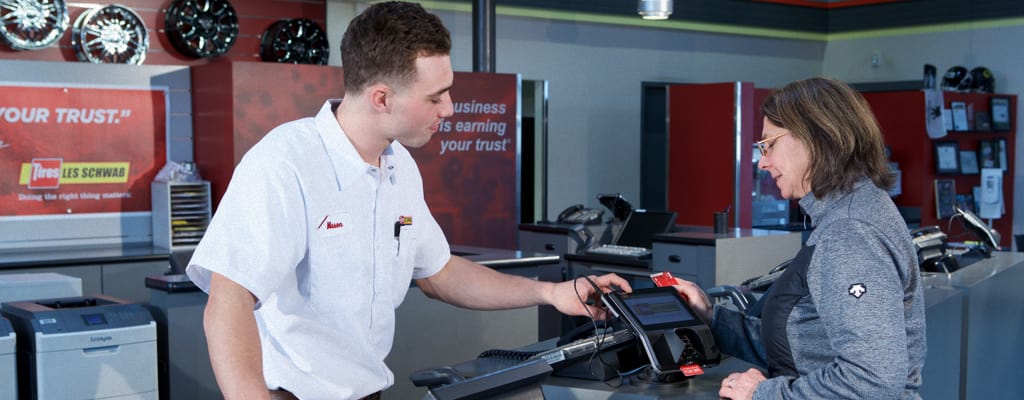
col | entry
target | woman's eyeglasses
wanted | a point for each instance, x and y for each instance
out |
(766, 144)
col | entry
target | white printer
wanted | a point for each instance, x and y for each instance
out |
(8, 367)
(84, 348)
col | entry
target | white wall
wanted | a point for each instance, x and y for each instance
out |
(904, 54)
(595, 72)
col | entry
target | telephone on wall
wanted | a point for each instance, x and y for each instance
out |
(577, 214)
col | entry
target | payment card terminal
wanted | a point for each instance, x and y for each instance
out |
(673, 336)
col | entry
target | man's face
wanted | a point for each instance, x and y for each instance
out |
(417, 108)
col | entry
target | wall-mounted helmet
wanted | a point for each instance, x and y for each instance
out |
(953, 77)
(982, 80)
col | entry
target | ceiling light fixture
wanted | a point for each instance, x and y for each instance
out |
(654, 9)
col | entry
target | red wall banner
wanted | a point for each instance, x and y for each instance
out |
(469, 166)
(79, 150)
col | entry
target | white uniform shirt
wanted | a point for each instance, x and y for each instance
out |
(309, 228)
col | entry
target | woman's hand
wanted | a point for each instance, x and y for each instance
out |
(741, 385)
(696, 297)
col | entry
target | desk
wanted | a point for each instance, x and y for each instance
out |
(185, 372)
(709, 259)
(697, 388)
(118, 271)
(637, 270)
(704, 386)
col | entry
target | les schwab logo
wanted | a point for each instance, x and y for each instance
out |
(49, 173)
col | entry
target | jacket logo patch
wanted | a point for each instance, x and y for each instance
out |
(857, 290)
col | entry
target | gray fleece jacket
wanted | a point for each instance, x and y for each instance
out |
(846, 319)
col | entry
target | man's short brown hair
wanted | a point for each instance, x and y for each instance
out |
(383, 42)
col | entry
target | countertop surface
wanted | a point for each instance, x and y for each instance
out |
(704, 235)
(80, 255)
(704, 386)
(501, 258)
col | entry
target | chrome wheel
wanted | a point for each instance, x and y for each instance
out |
(32, 24)
(295, 41)
(201, 28)
(113, 34)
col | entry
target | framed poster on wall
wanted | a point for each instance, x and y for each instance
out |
(947, 154)
(80, 150)
(987, 154)
(945, 196)
(1000, 113)
(969, 162)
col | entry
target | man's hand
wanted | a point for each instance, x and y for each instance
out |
(696, 297)
(578, 297)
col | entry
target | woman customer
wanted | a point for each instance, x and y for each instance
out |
(846, 318)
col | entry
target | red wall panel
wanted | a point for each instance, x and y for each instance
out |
(702, 151)
(472, 193)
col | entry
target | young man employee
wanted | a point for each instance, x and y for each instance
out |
(324, 225)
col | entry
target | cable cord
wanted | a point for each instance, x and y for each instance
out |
(600, 336)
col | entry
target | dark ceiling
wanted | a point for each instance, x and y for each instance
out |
(833, 16)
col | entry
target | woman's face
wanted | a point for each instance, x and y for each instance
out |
(787, 159)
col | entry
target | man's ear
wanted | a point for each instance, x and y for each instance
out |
(380, 97)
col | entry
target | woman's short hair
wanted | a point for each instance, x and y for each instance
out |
(383, 42)
(838, 128)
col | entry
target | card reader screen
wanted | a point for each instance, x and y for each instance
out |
(658, 310)
(94, 319)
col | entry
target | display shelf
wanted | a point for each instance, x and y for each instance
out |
(181, 214)
(901, 115)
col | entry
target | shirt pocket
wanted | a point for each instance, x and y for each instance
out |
(340, 272)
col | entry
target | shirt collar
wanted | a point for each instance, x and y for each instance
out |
(343, 154)
(816, 208)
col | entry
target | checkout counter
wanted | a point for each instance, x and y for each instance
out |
(992, 326)
(430, 332)
(974, 325)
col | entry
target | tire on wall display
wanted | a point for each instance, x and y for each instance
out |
(32, 24)
(295, 41)
(201, 28)
(110, 35)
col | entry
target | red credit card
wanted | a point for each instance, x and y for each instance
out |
(663, 279)
(692, 370)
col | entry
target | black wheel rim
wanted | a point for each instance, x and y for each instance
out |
(296, 41)
(201, 28)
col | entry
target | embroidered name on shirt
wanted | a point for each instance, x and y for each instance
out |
(326, 222)
(857, 290)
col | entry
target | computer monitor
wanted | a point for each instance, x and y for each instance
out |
(642, 225)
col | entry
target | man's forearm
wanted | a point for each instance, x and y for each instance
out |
(233, 341)
(465, 284)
